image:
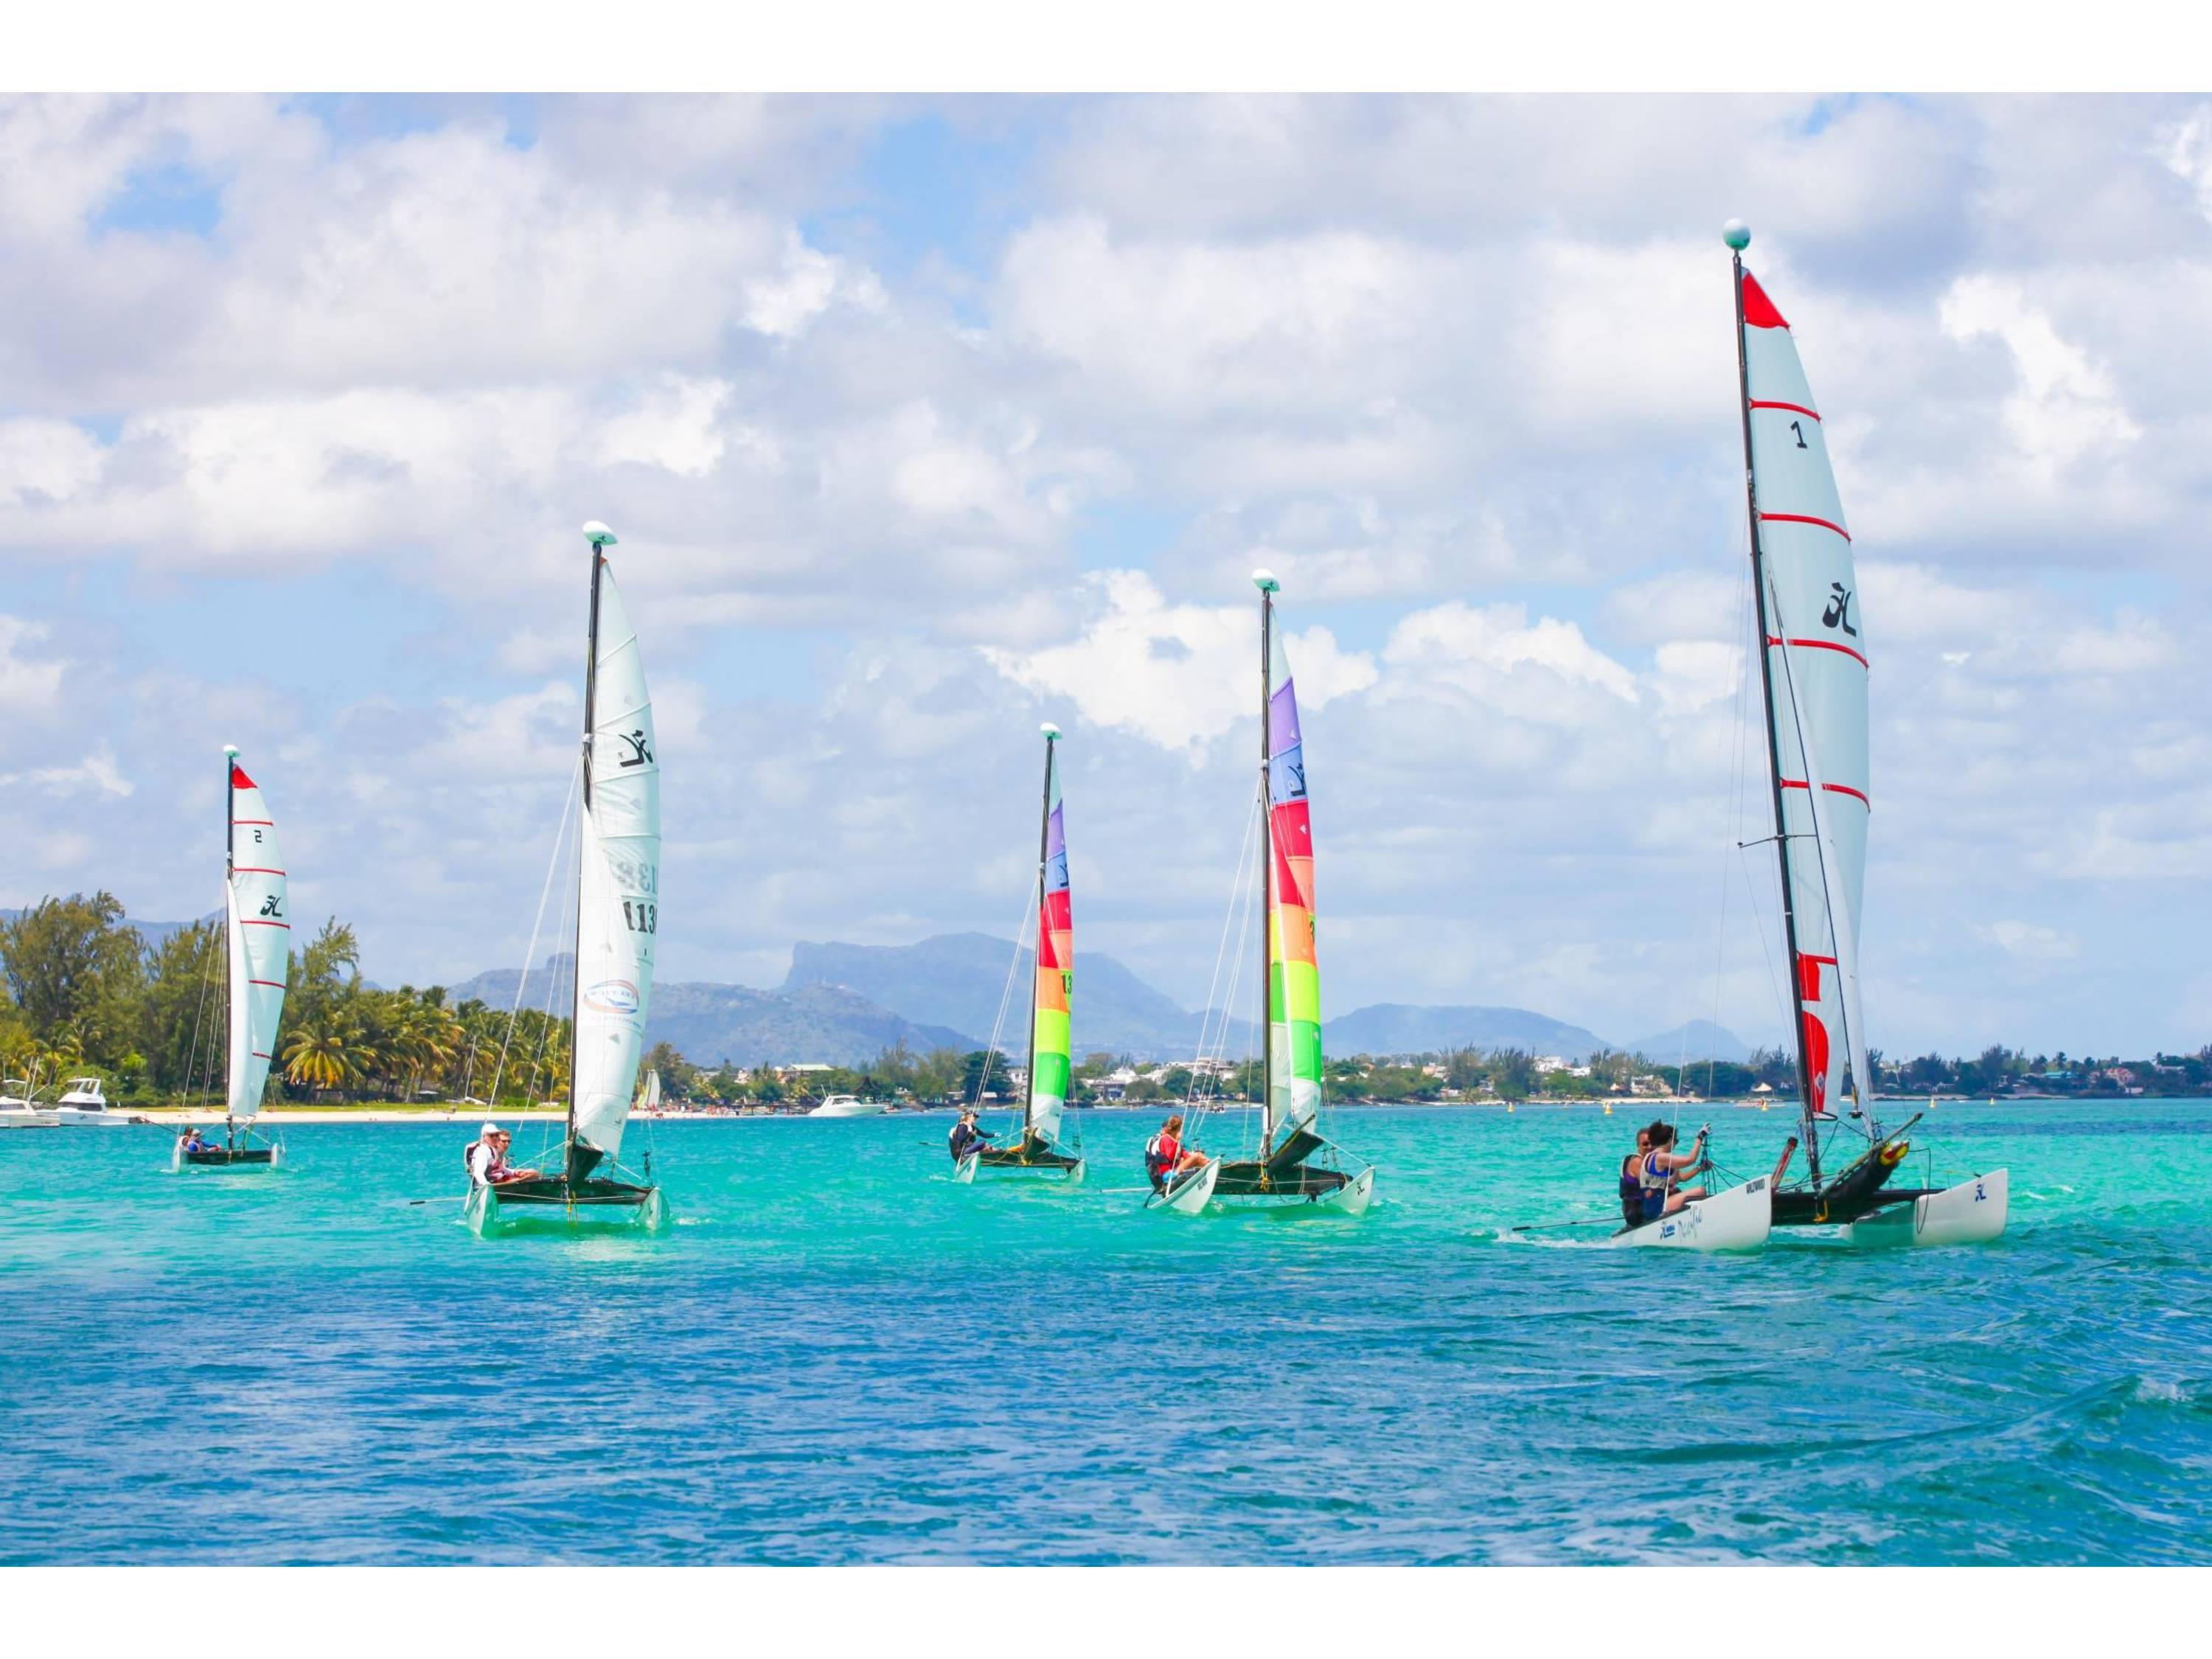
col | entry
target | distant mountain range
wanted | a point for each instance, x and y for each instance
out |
(844, 1004)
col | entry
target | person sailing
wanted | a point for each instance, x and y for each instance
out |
(1166, 1157)
(966, 1137)
(1632, 1180)
(1657, 1170)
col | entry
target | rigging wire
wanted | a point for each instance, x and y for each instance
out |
(530, 955)
(1006, 997)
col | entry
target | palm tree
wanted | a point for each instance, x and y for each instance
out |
(324, 1056)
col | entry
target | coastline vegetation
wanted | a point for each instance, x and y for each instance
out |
(88, 994)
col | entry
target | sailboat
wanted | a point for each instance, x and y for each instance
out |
(258, 940)
(1813, 664)
(1052, 986)
(1294, 1165)
(617, 921)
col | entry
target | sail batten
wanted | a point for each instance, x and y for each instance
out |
(1817, 665)
(258, 941)
(618, 883)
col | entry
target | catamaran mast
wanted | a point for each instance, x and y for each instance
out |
(598, 534)
(1037, 959)
(1268, 586)
(1738, 238)
(229, 909)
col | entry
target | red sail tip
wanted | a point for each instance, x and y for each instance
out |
(238, 778)
(1758, 310)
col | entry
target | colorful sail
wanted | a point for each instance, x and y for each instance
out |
(1293, 975)
(1817, 666)
(258, 923)
(1055, 965)
(618, 902)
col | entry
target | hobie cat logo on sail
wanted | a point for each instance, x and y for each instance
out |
(612, 996)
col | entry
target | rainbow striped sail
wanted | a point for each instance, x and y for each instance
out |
(1293, 975)
(1055, 963)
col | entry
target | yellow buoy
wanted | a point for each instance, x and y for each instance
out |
(1609, 1110)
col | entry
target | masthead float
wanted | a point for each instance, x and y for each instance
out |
(617, 925)
(1814, 666)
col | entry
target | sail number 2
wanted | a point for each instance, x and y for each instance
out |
(641, 917)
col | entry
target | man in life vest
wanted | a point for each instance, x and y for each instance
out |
(967, 1137)
(488, 1160)
(1166, 1157)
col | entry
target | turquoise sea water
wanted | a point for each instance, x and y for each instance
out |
(837, 1355)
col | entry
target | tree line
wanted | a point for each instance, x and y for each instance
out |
(88, 994)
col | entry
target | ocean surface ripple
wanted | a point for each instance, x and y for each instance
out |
(837, 1355)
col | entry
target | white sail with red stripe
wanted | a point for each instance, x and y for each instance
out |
(1816, 679)
(257, 920)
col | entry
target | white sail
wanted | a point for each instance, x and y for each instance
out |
(257, 919)
(618, 898)
(1818, 665)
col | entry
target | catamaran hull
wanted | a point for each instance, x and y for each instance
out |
(1736, 1219)
(488, 1211)
(226, 1157)
(1188, 1194)
(1972, 1212)
(1043, 1163)
(1340, 1195)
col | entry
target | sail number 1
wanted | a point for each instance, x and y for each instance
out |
(641, 917)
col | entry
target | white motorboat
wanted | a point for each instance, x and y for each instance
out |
(848, 1106)
(20, 1109)
(84, 1104)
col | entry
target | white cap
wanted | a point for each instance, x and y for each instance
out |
(488, 1129)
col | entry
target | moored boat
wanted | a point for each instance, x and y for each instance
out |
(848, 1106)
(617, 922)
(19, 1108)
(83, 1105)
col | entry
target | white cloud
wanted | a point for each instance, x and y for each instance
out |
(28, 687)
(1176, 674)
(2067, 409)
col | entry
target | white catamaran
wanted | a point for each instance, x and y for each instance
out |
(258, 954)
(1038, 1150)
(1813, 664)
(617, 921)
(1294, 1166)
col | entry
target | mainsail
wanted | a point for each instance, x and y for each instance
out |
(258, 923)
(618, 893)
(1055, 963)
(1814, 672)
(1293, 975)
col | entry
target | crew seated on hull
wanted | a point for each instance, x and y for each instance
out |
(196, 1142)
(487, 1159)
(1166, 1157)
(967, 1137)
(1657, 1168)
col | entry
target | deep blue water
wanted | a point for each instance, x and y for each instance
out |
(836, 1355)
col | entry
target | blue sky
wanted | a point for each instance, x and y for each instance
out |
(922, 420)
